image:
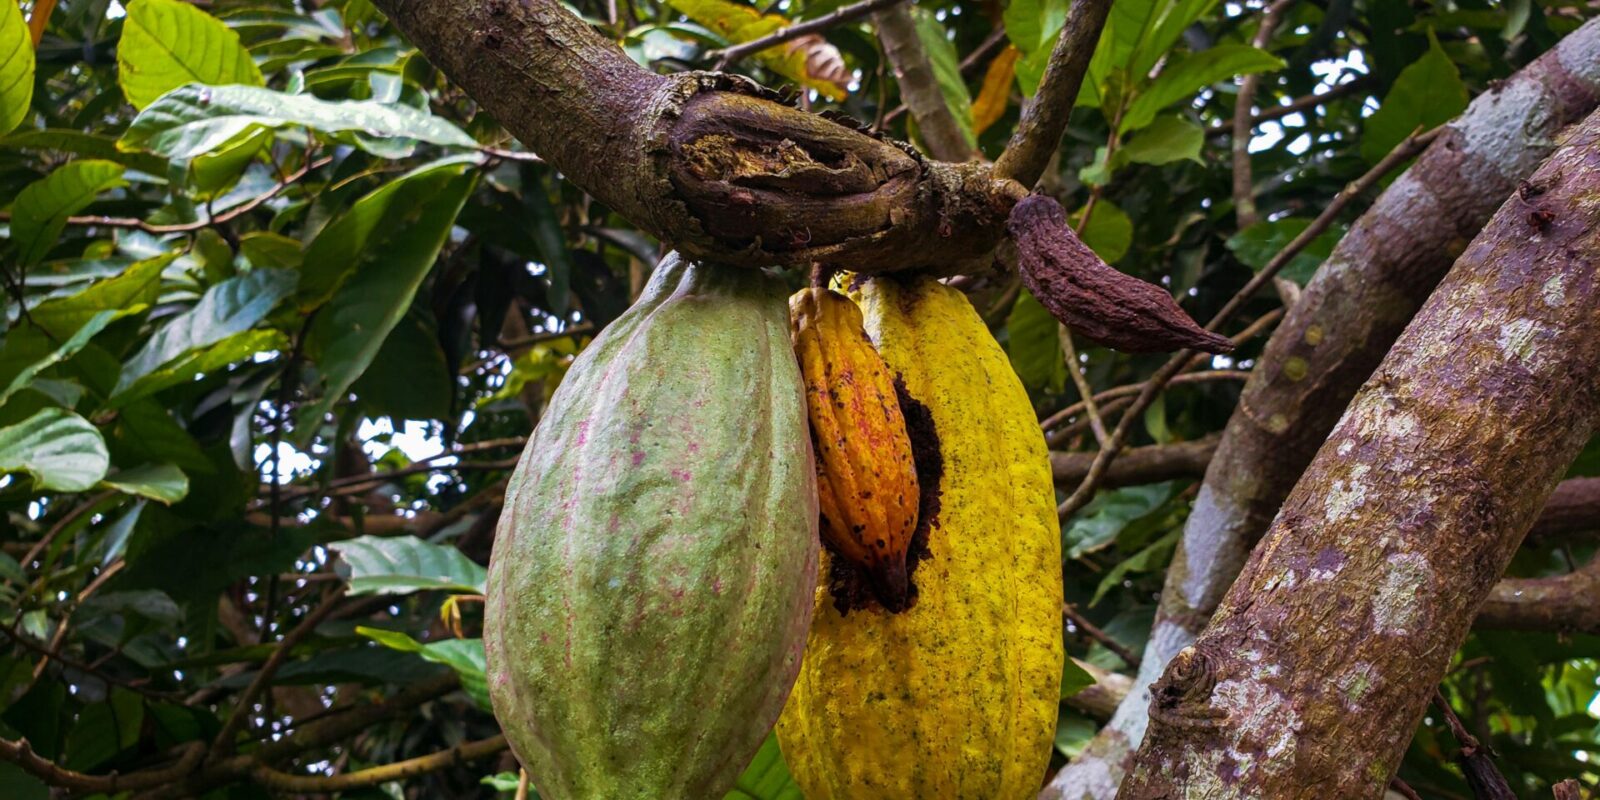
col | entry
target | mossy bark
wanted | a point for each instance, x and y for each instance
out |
(1321, 659)
(1329, 343)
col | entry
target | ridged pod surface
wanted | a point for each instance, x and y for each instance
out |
(653, 570)
(866, 477)
(956, 697)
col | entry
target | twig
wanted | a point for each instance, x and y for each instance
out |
(1300, 104)
(522, 785)
(1100, 636)
(1044, 119)
(1132, 389)
(1153, 387)
(372, 776)
(66, 617)
(21, 753)
(1244, 201)
(55, 530)
(1404, 789)
(1070, 353)
(918, 86)
(1476, 762)
(223, 744)
(839, 16)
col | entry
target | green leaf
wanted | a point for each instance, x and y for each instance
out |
(16, 67)
(1150, 559)
(67, 349)
(337, 251)
(946, 70)
(1111, 512)
(1109, 232)
(105, 729)
(408, 379)
(88, 145)
(60, 449)
(168, 43)
(1073, 733)
(1074, 678)
(1256, 246)
(1427, 94)
(404, 564)
(1166, 140)
(200, 361)
(552, 245)
(42, 207)
(767, 777)
(465, 656)
(1190, 74)
(163, 483)
(228, 308)
(134, 288)
(266, 249)
(1034, 346)
(195, 120)
(351, 328)
(1032, 24)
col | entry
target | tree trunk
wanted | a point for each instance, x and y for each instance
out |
(1311, 678)
(1329, 343)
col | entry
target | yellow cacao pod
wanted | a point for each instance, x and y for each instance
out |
(957, 696)
(866, 478)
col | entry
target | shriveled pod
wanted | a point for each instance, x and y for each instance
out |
(867, 489)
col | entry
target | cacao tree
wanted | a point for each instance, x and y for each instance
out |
(290, 285)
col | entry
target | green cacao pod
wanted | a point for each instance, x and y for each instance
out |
(956, 697)
(651, 582)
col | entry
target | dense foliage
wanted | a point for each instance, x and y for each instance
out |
(282, 305)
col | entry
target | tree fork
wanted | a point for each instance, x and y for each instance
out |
(1400, 527)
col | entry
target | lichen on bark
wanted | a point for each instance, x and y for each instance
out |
(1370, 576)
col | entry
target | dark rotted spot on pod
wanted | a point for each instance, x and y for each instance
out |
(1091, 297)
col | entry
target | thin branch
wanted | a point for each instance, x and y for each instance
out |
(1100, 636)
(1300, 104)
(979, 56)
(21, 753)
(373, 776)
(223, 744)
(918, 86)
(1139, 465)
(1044, 119)
(849, 13)
(1157, 382)
(1070, 352)
(1476, 762)
(1061, 417)
(1244, 200)
(55, 530)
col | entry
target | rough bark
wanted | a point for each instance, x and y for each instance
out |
(1567, 603)
(712, 164)
(1330, 342)
(1044, 118)
(918, 86)
(1324, 654)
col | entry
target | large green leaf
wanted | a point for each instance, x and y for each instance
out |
(408, 378)
(946, 70)
(130, 291)
(1035, 345)
(67, 349)
(1258, 244)
(194, 120)
(163, 483)
(16, 67)
(1109, 232)
(168, 43)
(60, 449)
(88, 145)
(1190, 74)
(1151, 558)
(465, 656)
(351, 328)
(200, 361)
(1106, 519)
(230, 307)
(42, 207)
(1428, 93)
(403, 564)
(1168, 139)
(1032, 24)
(767, 777)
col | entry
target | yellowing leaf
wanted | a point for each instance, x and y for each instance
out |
(808, 60)
(996, 92)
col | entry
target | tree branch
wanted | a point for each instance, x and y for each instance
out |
(1567, 603)
(400, 770)
(1244, 198)
(918, 86)
(224, 742)
(1044, 118)
(21, 753)
(838, 16)
(1139, 465)
(1310, 101)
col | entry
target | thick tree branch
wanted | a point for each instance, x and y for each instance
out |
(1100, 700)
(1398, 530)
(1044, 118)
(1574, 508)
(21, 753)
(918, 86)
(1157, 462)
(1351, 312)
(278, 780)
(710, 163)
(1567, 603)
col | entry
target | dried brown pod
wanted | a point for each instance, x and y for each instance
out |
(1091, 297)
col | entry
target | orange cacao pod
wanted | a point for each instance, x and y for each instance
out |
(867, 488)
